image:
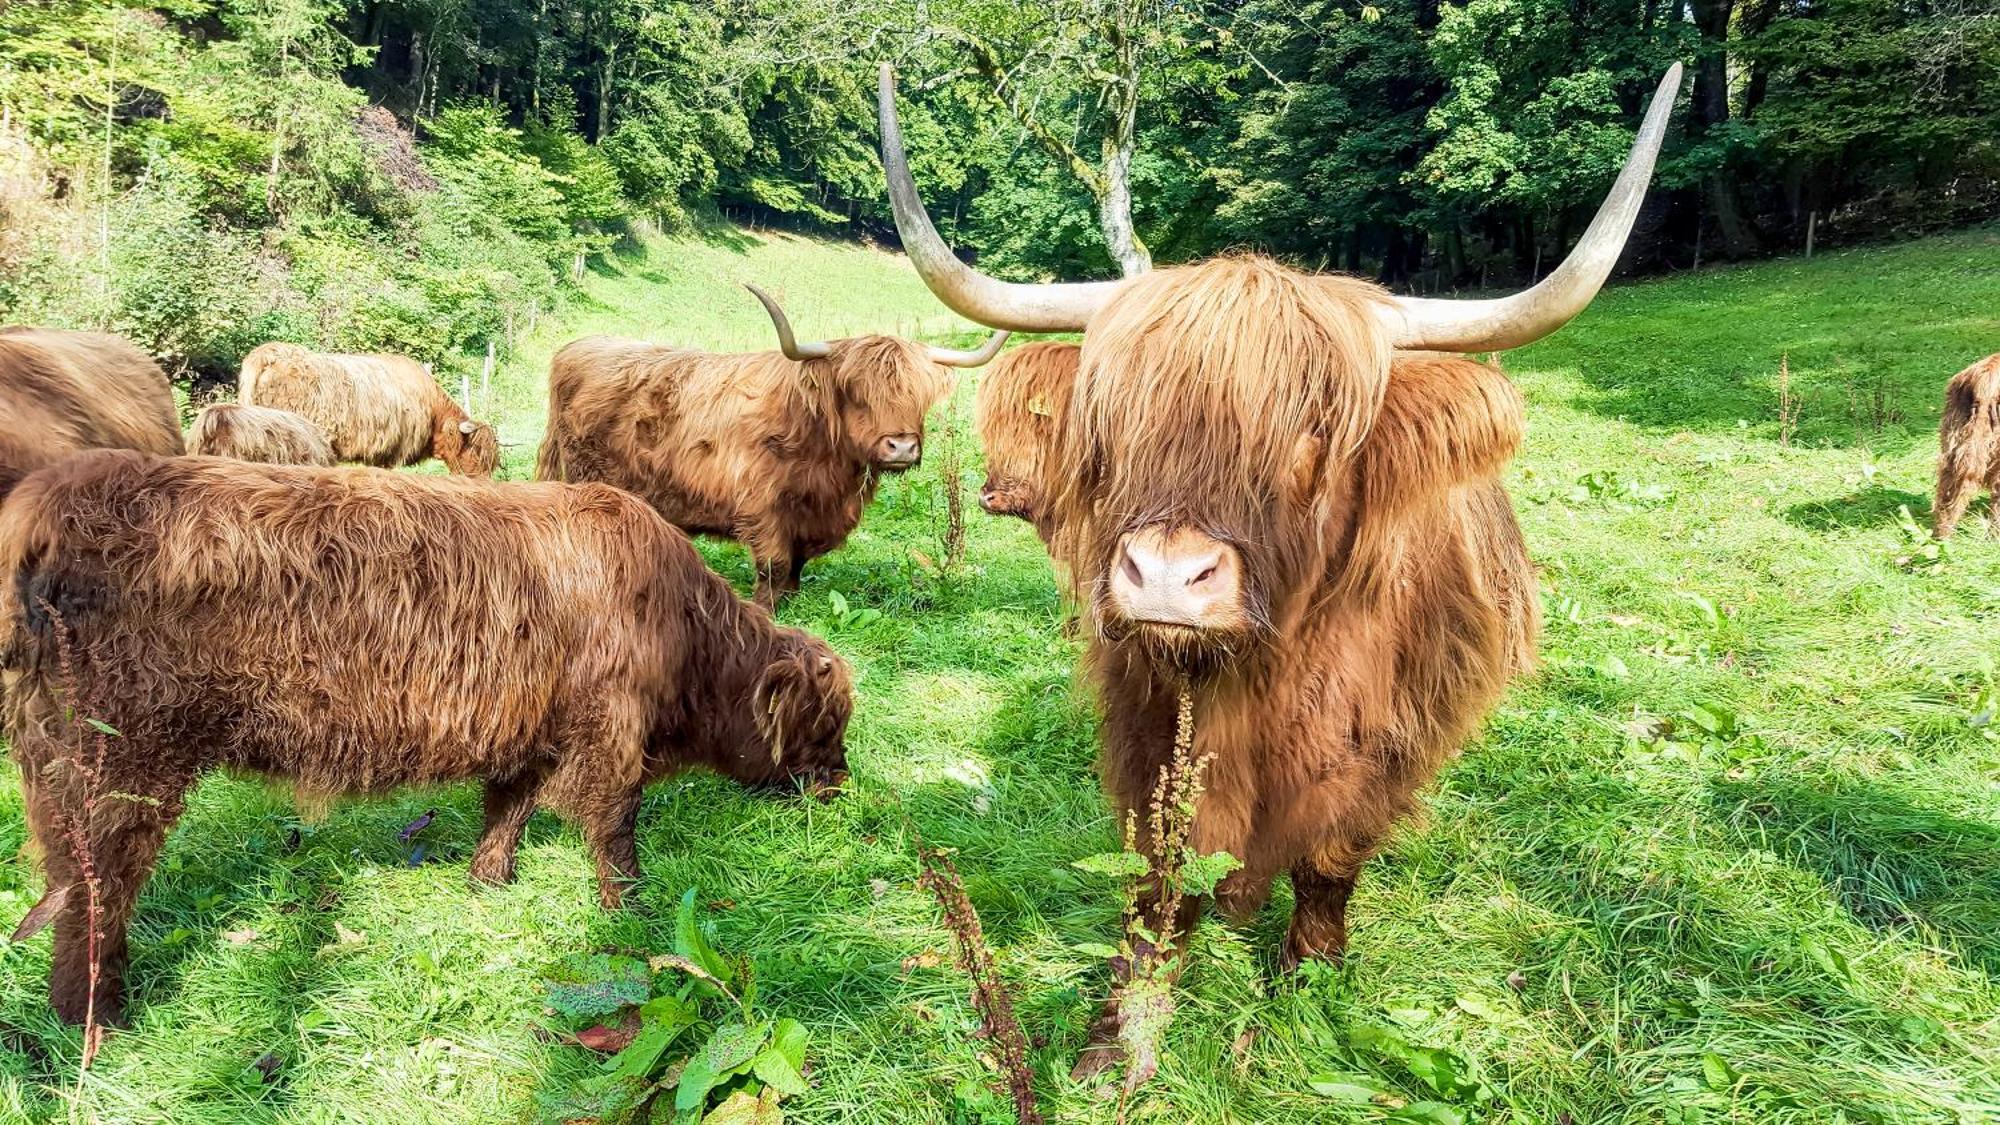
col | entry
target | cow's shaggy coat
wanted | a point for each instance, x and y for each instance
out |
(65, 391)
(1386, 594)
(1969, 447)
(258, 433)
(775, 453)
(355, 630)
(381, 410)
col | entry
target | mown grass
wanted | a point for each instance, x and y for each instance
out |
(1793, 917)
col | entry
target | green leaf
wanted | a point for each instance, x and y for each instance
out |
(1200, 874)
(691, 944)
(662, 1020)
(1428, 1113)
(1096, 949)
(780, 1065)
(1343, 1087)
(745, 1108)
(838, 602)
(595, 985)
(729, 1047)
(1610, 667)
(1716, 1071)
(102, 727)
(1118, 865)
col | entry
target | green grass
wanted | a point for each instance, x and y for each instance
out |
(1794, 919)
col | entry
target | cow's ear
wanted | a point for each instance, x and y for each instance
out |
(1445, 421)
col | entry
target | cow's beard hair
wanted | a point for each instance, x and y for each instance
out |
(1180, 652)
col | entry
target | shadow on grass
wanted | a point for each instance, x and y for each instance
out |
(1892, 862)
(1871, 507)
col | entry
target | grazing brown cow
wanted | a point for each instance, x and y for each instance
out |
(258, 433)
(1262, 511)
(355, 630)
(65, 391)
(381, 410)
(778, 450)
(1969, 448)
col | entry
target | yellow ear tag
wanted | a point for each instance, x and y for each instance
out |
(1039, 406)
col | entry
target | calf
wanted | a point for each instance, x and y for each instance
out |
(258, 433)
(357, 630)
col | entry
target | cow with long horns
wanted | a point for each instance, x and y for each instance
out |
(1265, 512)
(778, 450)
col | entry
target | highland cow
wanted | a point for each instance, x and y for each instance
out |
(1969, 448)
(1022, 398)
(357, 630)
(1267, 515)
(779, 450)
(381, 410)
(258, 433)
(65, 391)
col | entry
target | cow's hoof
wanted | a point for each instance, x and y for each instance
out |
(494, 873)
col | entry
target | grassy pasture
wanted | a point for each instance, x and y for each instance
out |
(1732, 855)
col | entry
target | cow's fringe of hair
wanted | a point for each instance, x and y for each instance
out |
(997, 1022)
(1968, 446)
(1212, 381)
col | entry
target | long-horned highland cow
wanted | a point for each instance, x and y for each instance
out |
(1021, 403)
(381, 410)
(356, 630)
(61, 392)
(778, 450)
(1265, 513)
(1969, 448)
(258, 433)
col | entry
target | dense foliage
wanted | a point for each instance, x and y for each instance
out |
(428, 175)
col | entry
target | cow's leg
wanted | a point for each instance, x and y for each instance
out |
(1954, 495)
(123, 839)
(613, 843)
(1104, 1049)
(509, 804)
(1993, 504)
(1319, 914)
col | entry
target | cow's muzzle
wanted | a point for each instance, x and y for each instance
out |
(1178, 578)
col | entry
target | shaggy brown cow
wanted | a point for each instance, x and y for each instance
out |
(1022, 398)
(1969, 448)
(1264, 513)
(381, 410)
(355, 630)
(258, 433)
(65, 391)
(1021, 405)
(778, 450)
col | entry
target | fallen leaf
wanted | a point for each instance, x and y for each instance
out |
(928, 959)
(610, 1039)
(239, 937)
(878, 887)
(267, 1064)
(1516, 981)
(347, 936)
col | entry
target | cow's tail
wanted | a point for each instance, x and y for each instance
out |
(1968, 442)
(246, 379)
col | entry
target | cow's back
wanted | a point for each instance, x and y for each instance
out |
(258, 433)
(616, 417)
(61, 392)
(322, 622)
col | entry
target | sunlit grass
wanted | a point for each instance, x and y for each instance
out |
(1797, 922)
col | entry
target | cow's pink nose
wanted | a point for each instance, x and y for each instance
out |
(1178, 577)
(899, 449)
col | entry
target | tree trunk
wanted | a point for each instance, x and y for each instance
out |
(1710, 112)
(1114, 210)
(604, 83)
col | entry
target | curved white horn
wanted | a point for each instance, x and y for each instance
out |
(1057, 307)
(1437, 324)
(977, 357)
(467, 426)
(791, 347)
